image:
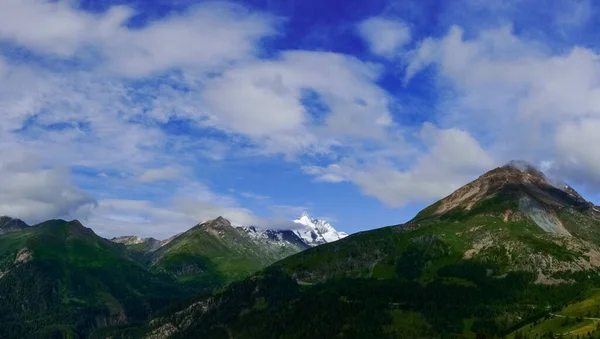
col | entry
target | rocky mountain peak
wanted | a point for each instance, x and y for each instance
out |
(222, 220)
(517, 179)
(218, 225)
(305, 214)
(316, 231)
(128, 240)
(7, 223)
(515, 172)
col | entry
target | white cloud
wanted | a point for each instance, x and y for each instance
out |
(35, 194)
(509, 97)
(263, 100)
(117, 217)
(55, 27)
(453, 157)
(193, 203)
(106, 123)
(62, 30)
(208, 37)
(200, 203)
(110, 123)
(575, 144)
(525, 100)
(385, 36)
(160, 174)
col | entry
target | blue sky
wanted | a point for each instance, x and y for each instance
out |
(146, 117)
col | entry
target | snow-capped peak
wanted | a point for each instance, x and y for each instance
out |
(317, 231)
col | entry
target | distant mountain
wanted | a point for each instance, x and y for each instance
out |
(215, 252)
(8, 224)
(309, 233)
(317, 232)
(58, 279)
(508, 249)
(149, 244)
(138, 247)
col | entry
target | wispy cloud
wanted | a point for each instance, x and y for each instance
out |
(160, 174)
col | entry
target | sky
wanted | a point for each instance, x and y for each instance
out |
(146, 117)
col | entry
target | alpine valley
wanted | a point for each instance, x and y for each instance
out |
(510, 255)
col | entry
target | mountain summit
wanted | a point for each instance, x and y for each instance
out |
(317, 232)
(8, 224)
(512, 218)
(517, 180)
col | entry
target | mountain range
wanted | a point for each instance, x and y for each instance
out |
(215, 252)
(510, 254)
(503, 256)
(312, 232)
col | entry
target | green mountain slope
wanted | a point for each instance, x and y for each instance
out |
(59, 279)
(509, 219)
(501, 251)
(215, 253)
(580, 319)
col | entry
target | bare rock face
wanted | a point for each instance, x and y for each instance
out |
(23, 256)
(501, 211)
(150, 244)
(8, 224)
(516, 178)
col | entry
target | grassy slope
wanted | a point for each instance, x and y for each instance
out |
(415, 280)
(575, 319)
(501, 245)
(75, 281)
(205, 257)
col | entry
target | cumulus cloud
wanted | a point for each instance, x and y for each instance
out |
(199, 202)
(116, 217)
(574, 148)
(178, 41)
(451, 158)
(263, 100)
(34, 194)
(524, 99)
(193, 203)
(107, 105)
(385, 36)
(96, 120)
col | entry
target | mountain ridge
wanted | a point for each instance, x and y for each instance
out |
(220, 252)
(482, 261)
(314, 232)
(8, 224)
(502, 251)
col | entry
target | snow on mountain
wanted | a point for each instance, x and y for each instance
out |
(317, 232)
(275, 238)
(309, 233)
